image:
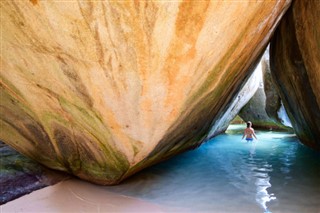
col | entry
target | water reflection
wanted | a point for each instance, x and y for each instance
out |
(287, 159)
(226, 175)
(262, 183)
(283, 157)
(252, 149)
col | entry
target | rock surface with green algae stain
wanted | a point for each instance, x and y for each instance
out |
(100, 90)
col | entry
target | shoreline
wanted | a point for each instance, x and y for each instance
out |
(75, 195)
(20, 175)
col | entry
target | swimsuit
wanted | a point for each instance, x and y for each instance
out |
(249, 139)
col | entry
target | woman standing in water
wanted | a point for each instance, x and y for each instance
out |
(249, 132)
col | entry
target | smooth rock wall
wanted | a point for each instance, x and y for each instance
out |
(222, 122)
(295, 66)
(103, 89)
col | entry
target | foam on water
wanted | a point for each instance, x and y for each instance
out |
(274, 174)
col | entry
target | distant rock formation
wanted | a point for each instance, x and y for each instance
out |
(103, 89)
(222, 122)
(265, 109)
(295, 66)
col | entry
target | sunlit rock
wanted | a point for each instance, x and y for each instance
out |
(222, 122)
(265, 109)
(295, 66)
(103, 89)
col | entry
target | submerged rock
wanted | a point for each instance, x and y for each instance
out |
(104, 89)
(265, 109)
(295, 66)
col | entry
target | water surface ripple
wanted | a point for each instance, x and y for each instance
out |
(274, 174)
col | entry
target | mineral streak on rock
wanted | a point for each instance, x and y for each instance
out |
(102, 89)
(34, 2)
(295, 64)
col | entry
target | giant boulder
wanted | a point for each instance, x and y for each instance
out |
(103, 89)
(295, 66)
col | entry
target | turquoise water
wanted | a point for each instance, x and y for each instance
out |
(274, 174)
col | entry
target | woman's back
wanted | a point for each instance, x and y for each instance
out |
(249, 132)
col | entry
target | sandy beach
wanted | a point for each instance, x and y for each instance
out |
(77, 196)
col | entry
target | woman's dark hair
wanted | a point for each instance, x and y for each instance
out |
(249, 124)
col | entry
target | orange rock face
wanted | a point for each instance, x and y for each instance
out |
(103, 89)
(295, 64)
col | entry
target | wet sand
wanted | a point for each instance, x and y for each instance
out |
(78, 196)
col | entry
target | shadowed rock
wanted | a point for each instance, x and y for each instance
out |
(20, 175)
(222, 122)
(295, 66)
(265, 109)
(103, 89)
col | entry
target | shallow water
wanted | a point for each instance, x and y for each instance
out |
(274, 174)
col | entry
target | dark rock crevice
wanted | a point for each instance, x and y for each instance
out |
(295, 67)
